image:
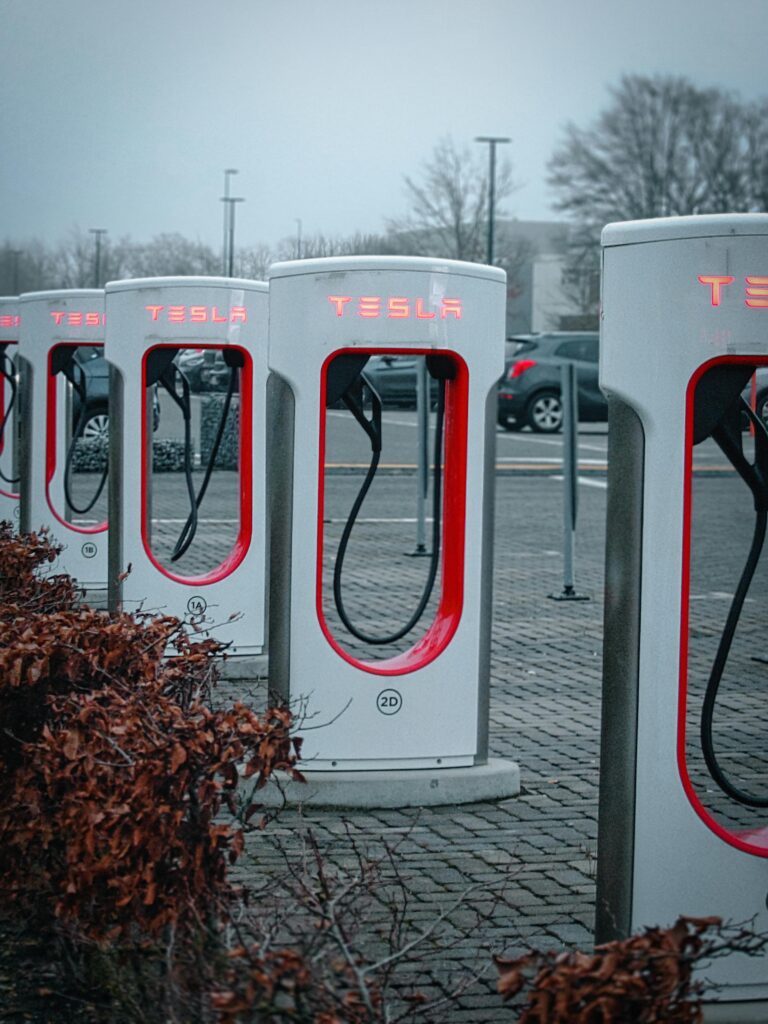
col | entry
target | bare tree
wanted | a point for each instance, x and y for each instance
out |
(166, 255)
(663, 147)
(320, 245)
(448, 205)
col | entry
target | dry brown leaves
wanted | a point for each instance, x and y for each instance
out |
(114, 768)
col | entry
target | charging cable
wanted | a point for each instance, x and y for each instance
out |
(8, 373)
(728, 436)
(443, 369)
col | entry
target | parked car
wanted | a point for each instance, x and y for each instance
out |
(96, 369)
(529, 391)
(394, 377)
(204, 368)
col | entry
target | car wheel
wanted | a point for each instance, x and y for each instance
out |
(96, 427)
(545, 412)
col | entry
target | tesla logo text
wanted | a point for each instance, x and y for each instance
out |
(198, 314)
(371, 307)
(78, 319)
(755, 292)
(7, 320)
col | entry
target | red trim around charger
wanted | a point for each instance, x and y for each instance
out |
(5, 494)
(752, 840)
(50, 438)
(245, 471)
(448, 614)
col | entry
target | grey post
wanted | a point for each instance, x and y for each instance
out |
(570, 400)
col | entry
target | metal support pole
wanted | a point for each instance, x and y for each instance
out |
(570, 400)
(98, 232)
(422, 456)
(493, 141)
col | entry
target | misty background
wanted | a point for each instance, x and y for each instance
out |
(335, 113)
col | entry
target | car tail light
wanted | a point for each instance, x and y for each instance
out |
(519, 367)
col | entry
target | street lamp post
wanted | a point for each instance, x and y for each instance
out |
(493, 141)
(97, 233)
(230, 203)
(298, 238)
(227, 219)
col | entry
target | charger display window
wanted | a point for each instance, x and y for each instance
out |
(76, 462)
(724, 660)
(357, 614)
(197, 438)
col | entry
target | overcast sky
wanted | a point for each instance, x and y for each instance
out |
(123, 115)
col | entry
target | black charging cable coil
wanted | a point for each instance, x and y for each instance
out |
(727, 434)
(372, 427)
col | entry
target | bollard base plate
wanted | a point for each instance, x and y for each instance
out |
(569, 594)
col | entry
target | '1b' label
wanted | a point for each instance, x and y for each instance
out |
(89, 549)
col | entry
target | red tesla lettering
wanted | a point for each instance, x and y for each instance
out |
(450, 307)
(238, 315)
(177, 314)
(198, 314)
(57, 317)
(75, 319)
(370, 306)
(92, 319)
(757, 292)
(420, 314)
(339, 302)
(154, 310)
(398, 307)
(716, 283)
(216, 317)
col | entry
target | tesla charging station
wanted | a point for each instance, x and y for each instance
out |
(684, 789)
(382, 698)
(61, 338)
(169, 340)
(9, 410)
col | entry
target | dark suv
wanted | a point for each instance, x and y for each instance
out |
(529, 391)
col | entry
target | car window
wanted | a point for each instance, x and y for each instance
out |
(584, 349)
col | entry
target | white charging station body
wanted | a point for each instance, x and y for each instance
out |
(426, 707)
(204, 313)
(679, 297)
(51, 323)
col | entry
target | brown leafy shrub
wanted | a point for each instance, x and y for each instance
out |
(114, 769)
(645, 978)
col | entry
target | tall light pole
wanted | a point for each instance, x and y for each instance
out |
(225, 199)
(493, 141)
(97, 232)
(298, 238)
(230, 203)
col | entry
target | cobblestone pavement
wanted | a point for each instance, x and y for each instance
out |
(521, 871)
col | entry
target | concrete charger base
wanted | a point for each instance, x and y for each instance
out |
(415, 787)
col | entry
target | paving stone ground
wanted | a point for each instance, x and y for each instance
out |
(518, 872)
